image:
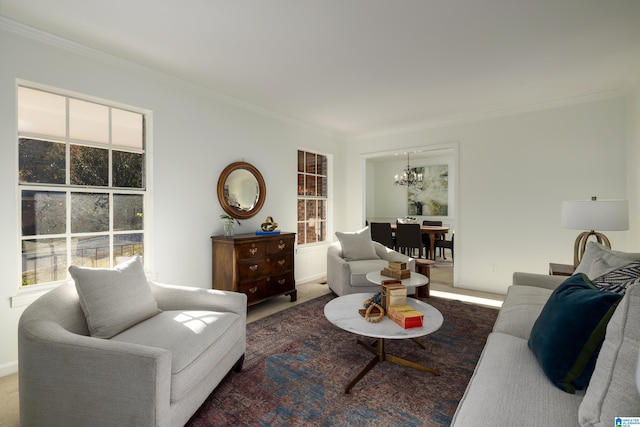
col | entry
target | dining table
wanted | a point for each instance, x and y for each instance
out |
(433, 231)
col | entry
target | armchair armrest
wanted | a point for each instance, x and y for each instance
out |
(172, 297)
(538, 280)
(106, 381)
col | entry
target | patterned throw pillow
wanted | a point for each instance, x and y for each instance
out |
(618, 280)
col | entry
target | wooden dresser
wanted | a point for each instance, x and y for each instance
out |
(260, 266)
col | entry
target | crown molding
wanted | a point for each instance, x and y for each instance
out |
(80, 49)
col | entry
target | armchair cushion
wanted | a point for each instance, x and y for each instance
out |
(357, 245)
(114, 299)
(196, 340)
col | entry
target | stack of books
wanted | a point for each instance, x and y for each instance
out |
(393, 293)
(405, 316)
(397, 270)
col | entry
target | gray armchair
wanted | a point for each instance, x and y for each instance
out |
(156, 373)
(349, 277)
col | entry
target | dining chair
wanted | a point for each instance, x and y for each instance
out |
(408, 238)
(381, 232)
(426, 240)
(446, 244)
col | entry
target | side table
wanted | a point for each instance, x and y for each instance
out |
(423, 266)
(561, 269)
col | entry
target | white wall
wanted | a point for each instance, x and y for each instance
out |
(514, 172)
(195, 135)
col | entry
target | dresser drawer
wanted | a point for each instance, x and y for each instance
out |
(281, 283)
(281, 245)
(252, 269)
(252, 250)
(278, 264)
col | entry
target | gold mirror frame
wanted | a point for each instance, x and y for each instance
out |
(260, 197)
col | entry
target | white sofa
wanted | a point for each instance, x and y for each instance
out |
(345, 276)
(155, 372)
(509, 387)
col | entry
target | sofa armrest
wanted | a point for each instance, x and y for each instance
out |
(173, 297)
(71, 379)
(537, 280)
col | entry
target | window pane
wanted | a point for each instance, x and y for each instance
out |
(43, 212)
(301, 236)
(322, 209)
(88, 121)
(311, 186)
(127, 212)
(89, 212)
(322, 165)
(126, 128)
(311, 209)
(322, 186)
(41, 161)
(301, 190)
(311, 163)
(126, 246)
(89, 166)
(90, 251)
(41, 112)
(300, 161)
(43, 260)
(127, 169)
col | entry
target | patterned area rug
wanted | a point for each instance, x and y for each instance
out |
(297, 365)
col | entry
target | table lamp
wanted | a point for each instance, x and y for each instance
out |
(604, 215)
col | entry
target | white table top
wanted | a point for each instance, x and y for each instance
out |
(343, 312)
(416, 279)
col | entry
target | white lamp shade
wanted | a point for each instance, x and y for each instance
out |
(596, 215)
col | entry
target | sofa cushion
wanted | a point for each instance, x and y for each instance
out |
(618, 280)
(357, 245)
(114, 299)
(612, 391)
(520, 309)
(599, 259)
(567, 336)
(508, 388)
(197, 341)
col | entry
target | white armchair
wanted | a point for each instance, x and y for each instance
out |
(155, 373)
(349, 277)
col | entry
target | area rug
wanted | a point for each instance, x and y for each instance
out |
(297, 365)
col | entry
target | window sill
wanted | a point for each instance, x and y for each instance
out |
(27, 296)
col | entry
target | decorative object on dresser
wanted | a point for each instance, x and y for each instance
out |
(260, 266)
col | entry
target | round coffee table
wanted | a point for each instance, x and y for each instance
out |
(343, 312)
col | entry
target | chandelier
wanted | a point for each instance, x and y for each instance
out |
(409, 176)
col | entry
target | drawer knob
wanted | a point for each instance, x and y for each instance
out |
(253, 290)
(253, 267)
(281, 246)
(281, 262)
(281, 281)
(253, 251)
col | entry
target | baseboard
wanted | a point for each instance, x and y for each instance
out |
(311, 279)
(8, 368)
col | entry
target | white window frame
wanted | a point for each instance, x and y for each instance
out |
(26, 294)
(328, 199)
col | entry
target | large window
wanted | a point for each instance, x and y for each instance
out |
(81, 179)
(312, 197)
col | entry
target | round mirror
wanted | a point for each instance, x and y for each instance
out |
(241, 190)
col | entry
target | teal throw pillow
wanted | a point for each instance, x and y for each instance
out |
(567, 336)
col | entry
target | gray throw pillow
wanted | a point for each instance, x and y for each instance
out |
(357, 245)
(114, 299)
(599, 259)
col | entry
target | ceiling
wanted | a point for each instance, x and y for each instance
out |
(357, 67)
